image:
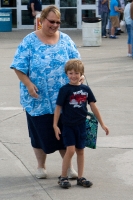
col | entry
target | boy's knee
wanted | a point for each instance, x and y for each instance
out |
(71, 150)
(80, 152)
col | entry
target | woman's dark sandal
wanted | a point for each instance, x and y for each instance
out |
(63, 182)
(83, 182)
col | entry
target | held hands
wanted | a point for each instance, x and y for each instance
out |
(57, 132)
(82, 78)
(32, 90)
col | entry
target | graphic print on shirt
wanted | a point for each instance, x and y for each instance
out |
(78, 98)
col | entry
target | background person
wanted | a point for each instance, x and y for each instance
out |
(114, 13)
(36, 8)
(103, 9)
(128, 21)
(39, 64)
(118, 30)
(72, 103)
(122, 3)
(131, 14)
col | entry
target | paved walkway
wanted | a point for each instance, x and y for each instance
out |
(109, 167)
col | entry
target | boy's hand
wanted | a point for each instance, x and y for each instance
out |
(57, 132)
(105, 128)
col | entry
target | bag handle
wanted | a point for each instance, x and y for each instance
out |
(86, 81)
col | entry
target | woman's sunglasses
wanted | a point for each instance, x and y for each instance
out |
(54, 22)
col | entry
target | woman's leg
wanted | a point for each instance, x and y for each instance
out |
(80, 162)
(104, 17)
(62, 153)
(41, 157)
(128, 27)
(129, 49)
(132, 37)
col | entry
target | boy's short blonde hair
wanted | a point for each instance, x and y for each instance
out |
(76, 65)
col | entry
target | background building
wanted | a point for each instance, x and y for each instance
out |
(72, 12)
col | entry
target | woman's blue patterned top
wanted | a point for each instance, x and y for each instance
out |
(44, 65)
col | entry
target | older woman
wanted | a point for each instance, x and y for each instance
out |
(39, 64)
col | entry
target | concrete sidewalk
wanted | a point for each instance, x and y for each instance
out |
(110, 167)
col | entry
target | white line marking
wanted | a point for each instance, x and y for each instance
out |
(11, 108)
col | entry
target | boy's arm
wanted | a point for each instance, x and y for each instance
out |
(99, 117)
(55, 123)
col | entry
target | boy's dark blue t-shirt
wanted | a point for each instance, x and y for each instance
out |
(74, 99)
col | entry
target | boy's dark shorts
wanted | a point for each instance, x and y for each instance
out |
(74, 135)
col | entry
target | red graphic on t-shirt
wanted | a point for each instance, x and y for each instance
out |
(77, 99)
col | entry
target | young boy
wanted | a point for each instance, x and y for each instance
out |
(72, 102)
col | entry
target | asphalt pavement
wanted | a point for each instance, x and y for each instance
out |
(110, 167)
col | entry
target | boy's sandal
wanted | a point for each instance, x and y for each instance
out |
(83, 182)
(63, 182)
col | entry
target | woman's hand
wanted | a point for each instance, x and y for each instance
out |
(32, 89)
(82, 78)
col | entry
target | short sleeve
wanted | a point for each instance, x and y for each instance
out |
(91, 97)
(71, 47)
(61, 97)
(21, 60)
(73, 51)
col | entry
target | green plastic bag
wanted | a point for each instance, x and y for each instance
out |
(91, 130)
